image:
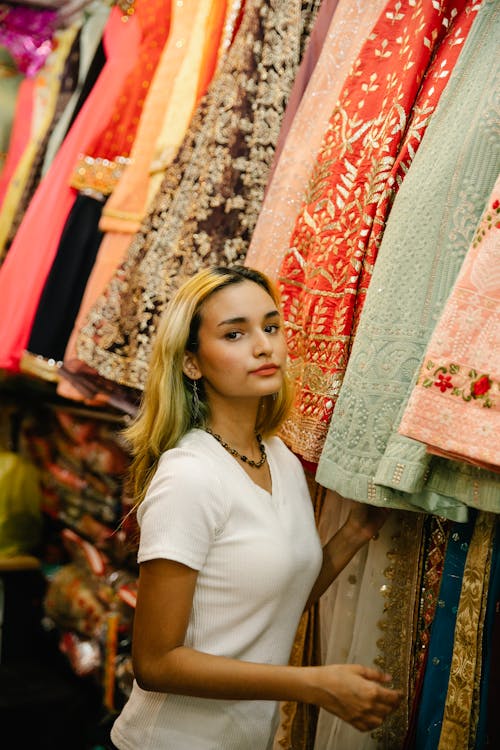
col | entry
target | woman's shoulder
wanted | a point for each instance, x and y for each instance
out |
(191, 455)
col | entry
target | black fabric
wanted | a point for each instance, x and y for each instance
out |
(66, 282)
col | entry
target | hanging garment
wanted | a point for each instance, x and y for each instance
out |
(100, 166)
(307, 66)
(350, 25)
(20, 133)
(66, 83)
(25, 269)
(455, 406)
(93, 23)
(10, 81)
(362, 622)
(211, 196)
(188, 58)
(46, 92)
(430, 227)
(461, 709)
(439, 658)
(373, 134)
(97, 174)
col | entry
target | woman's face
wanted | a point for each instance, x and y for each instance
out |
(242, 349)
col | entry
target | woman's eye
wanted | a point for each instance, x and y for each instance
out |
(272, 328)
(233, 335)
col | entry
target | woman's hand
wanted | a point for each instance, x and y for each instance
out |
(356, 694)
(366, 520)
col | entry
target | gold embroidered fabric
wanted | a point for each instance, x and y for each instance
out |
(458, 728)
(212, 193)
(398, 624)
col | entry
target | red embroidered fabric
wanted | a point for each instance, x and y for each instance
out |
(373, 134)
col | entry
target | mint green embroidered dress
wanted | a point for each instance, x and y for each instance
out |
(427, 235)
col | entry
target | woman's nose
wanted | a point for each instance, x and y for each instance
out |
(262, 343)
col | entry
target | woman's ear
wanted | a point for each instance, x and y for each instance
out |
(190, 366)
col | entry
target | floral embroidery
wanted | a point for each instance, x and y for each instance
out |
(467, 384)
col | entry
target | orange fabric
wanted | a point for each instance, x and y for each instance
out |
(101, 165)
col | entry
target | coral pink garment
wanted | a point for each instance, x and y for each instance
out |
(455, 405)
(23, 274)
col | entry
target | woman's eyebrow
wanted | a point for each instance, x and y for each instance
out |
(232, 321)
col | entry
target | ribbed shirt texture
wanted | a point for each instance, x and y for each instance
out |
(258, 555)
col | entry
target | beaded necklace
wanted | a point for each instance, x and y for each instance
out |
(234, 452)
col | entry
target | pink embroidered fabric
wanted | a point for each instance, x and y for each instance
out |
(349, 27)
(455, 406)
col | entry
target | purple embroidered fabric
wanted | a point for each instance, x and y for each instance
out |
(27, 33)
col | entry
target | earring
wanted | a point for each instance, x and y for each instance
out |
(195, 403)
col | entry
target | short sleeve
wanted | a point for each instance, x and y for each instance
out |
(184, 510)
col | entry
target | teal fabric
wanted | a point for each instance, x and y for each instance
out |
(427, 235)
(438, 665)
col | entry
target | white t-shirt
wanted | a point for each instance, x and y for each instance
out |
(258, 555)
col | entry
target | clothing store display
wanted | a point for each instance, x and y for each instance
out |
(248, 538)
(428, 232)
(188, 60)
(349, 150)
(32, 252)
(211, 195)
(97, 173)
(373, 134)
(350, 25)
(455, 406)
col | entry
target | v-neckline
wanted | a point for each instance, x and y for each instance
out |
(234, 461)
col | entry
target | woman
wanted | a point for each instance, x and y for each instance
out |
(229, 554)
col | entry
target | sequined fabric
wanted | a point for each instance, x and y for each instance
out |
(374, 132)
(210, 197)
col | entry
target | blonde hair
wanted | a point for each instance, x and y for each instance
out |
(166, 413)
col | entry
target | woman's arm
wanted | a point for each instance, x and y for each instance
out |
(362, 524)
(162, 663)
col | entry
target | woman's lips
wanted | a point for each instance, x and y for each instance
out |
(266, 370)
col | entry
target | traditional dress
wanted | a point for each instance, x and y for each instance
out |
(455, 406)
(373, 134)
(430, 227)
(211, 195)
